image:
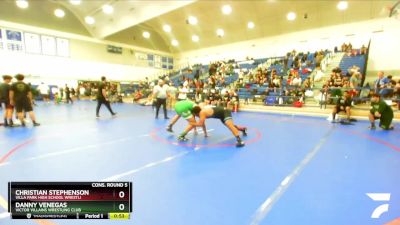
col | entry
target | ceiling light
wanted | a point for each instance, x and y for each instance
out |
(250, 25)
(220, 32)
(108, 9)
(90, 20)
(291, 16)
(167, 28)
(75, 2)
(226, 9)
(342, 5)
(174, 42)
(146, 34)
(195, 38)
(23, 4)
(59, 13)
(192, 20)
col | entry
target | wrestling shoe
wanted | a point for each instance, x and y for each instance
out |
(182, 138)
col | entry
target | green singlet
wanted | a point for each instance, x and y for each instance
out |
(184, 108)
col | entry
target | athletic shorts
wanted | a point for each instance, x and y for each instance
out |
(7, 104)
(338, 108)
(24, 105)
(222, 114)
(384, 121)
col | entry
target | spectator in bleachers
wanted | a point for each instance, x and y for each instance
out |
(296, 81)
(349, 47)
(380, 83)
(346, 82)
(276, 82)
(363, 50)
(355, 80)
(213, 97)
(319, 58)
(307, 83)
(338, 80)
(344, 47)
(182, 92)
(200, 96)
(172, 92)
(352, 70)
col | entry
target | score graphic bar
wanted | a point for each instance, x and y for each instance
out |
(70, 200)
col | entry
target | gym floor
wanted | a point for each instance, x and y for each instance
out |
(293, 169)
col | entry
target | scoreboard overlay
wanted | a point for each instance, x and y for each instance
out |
(70, 200)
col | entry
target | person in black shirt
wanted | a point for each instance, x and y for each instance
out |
(21, 99)
(102, 97)
(5, 99)
(343, 104)
(68, 95)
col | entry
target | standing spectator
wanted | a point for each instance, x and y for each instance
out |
(102, 97)
(68, 95)
(5, 88)
(21, 98)
(172, 91)
(44, 91)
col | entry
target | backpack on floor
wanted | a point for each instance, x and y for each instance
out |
(270, 100)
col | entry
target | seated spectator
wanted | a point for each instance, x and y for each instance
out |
(276, 82)
(380, 83)
(343, 104)
(355, 80)
(234, 100)
(307, 83)
(353, 69)
(137, 96)
(296, 81)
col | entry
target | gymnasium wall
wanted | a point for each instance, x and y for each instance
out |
(88, 59)
(384, 35)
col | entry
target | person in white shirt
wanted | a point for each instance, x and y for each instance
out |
(182, 90)
(44, 92)
(172, 90)
(160, 93)
(296, 81)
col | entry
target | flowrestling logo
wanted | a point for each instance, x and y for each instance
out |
(380, 197)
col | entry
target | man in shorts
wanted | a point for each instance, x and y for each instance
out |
(382, 111)
(21, 98)
(5, 99)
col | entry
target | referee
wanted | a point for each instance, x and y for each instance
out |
(160, 93)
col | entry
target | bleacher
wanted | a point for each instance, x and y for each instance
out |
(349, 61)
